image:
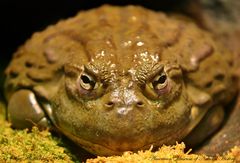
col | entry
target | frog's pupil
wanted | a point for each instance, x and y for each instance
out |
(85, 79)
(162, 79)
(158, 83)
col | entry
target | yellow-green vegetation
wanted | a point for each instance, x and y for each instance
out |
(168, 154)
(22, 145)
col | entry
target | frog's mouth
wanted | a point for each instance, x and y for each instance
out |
(103, 149)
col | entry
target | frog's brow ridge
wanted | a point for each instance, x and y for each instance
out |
(100, 71)
(147, 72)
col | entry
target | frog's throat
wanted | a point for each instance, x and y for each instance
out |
(102, 150)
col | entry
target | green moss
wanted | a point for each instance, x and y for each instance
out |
(22, 145)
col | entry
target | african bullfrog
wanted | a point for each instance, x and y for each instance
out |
(114, 79)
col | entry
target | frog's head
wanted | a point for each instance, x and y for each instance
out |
(115, 102)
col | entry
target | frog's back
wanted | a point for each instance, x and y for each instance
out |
(125, 36)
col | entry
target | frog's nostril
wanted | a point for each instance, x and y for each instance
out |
(140, 104)
(109, 104)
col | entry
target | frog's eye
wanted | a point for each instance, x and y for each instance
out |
(157, 86)
(87, 82)
(159, 82)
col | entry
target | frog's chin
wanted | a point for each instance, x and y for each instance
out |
(102, 149)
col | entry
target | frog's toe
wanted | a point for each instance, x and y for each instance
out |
(25, 112)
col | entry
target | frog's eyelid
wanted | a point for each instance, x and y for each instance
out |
(101, 75)
(155, 71)
(72, 70)
(90, 71)
(146, 74)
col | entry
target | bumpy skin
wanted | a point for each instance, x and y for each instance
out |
(123, 78)
(222, 19)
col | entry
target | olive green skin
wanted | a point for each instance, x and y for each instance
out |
(123, 50)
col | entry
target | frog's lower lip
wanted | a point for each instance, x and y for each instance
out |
(101, 149)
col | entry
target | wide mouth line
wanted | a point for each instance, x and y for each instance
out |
(167, 137)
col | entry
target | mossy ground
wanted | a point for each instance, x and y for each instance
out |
(34, 145)
(168, 154)
(42, 146)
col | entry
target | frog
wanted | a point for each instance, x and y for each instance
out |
(115, 79)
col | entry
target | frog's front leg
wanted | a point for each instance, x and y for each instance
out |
(24, 111)
(227, 137)
(206, 127)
